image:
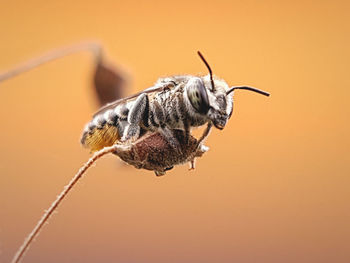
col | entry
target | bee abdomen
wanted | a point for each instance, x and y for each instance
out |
(104, 130)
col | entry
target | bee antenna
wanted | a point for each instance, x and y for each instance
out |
(249, 88)
(210, 72)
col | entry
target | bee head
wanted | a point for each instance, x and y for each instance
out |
(213, 98)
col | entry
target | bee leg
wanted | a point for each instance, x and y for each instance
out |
(135, 116)
(192, 164)
(171, 139)
(205, 133)
(201, 149)
(131, 133)
(187, 133)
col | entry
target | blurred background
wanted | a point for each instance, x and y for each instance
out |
(274, 186)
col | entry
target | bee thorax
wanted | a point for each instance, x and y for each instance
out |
(168, 107)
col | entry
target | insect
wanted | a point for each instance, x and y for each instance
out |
(173, 104)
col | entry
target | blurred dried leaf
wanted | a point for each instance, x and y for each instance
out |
(109, 83)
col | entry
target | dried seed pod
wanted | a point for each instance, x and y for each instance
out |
(153, 152)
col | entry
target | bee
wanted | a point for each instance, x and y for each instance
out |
(175, 103)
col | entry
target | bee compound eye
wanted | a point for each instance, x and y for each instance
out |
(197, 94)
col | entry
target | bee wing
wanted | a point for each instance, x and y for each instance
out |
(114, 104)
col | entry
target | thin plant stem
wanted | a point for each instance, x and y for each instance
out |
(93, 47)
(60, 197)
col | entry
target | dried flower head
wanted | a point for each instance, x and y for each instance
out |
(153, 152)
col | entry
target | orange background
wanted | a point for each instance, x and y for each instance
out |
(274, 186)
